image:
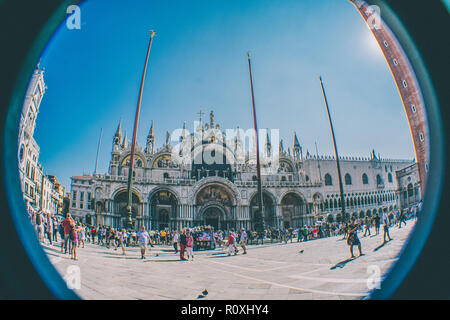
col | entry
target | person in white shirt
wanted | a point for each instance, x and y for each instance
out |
(143, 239)
(175, 242)
(243, 240)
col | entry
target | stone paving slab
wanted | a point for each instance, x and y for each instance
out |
(270, 271)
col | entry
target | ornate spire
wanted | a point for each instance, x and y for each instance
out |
(297, 149)
(167, 138)
(281, 146)
(150, 140)
(296, 143)
(125, 142)
(211, 119)
(119, 130)
(118, 135)
(268, 144)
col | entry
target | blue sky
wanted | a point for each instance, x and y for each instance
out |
(198, 60)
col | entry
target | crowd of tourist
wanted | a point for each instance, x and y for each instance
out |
(74, 234)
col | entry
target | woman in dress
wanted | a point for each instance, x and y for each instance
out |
(352, 239)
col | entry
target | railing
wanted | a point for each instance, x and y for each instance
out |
(183, 181)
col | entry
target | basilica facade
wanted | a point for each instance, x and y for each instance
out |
(208, 177)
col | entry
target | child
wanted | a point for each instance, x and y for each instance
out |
(74, 239)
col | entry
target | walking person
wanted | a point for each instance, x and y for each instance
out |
(401, 218)
(120, 239)
(231, 245)
(55, 229)
(189, 245)
(74, 240)
(243, 240)
(377, 224)
(183, 243)
(143, 239)
(49, 228)
(67, 228)
(386, 227)
(305, 233)
(367, 225)
(353, 239)
(236, 250)
(83, 235)
(175, 241)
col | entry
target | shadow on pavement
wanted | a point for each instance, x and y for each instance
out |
(342, 264)
(382, 245)
(178, 260)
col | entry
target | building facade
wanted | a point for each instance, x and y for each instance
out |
(208, 178)
(40, 192)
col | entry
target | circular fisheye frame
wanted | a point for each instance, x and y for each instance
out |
(414, 65)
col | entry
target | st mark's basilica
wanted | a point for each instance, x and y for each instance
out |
(208, 177)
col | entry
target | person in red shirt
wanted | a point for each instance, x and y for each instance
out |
(231, 243)
(67, 227)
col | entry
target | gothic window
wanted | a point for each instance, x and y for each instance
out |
(379, 180)
(22, 153)
(365, 179)
(328, 180)
(348, 179)
(390, 177)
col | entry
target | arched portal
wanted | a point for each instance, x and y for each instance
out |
(214, 204)
(214, 216)
(163, 210)
(120, 208)
(269, 209)
(293, 211)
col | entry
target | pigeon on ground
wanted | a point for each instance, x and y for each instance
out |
(205, 292)
(301, 251)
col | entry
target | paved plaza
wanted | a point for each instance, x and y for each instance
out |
(267, 272)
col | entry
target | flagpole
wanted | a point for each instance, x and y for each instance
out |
(341, 189)
(98, 150)
(133, 144)
(259, 216)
